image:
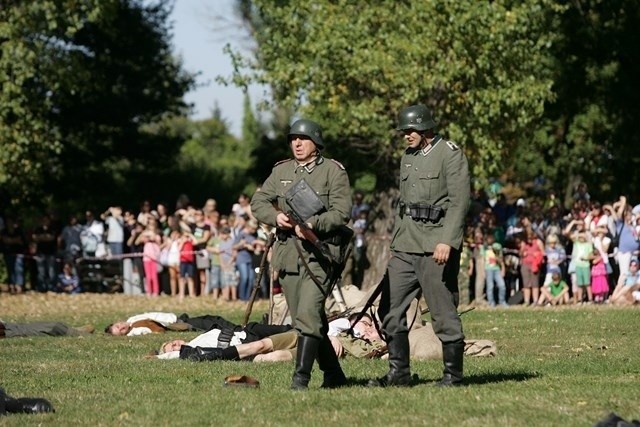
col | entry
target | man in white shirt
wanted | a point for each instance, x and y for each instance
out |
(274, 348)
(146, 323)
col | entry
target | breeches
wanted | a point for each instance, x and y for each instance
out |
(306, 300)
(408, 274)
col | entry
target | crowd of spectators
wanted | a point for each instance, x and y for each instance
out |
(536, 252)
(191, 251)
(530, 251)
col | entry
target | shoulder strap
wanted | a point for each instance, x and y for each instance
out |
(281, 162)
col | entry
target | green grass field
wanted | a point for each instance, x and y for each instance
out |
(566, 367)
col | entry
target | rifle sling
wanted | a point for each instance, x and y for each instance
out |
(296, 243)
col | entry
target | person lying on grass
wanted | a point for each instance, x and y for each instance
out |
(158, 322)
(364, 341)
(38, 329)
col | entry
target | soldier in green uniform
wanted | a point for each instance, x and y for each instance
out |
(302, 270)
(427, 239)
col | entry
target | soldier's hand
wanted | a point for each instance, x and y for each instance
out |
(282, 221)
(441, 254)
(299, 231)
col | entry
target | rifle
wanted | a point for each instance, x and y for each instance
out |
(378, 291)
(256, 283)
(339, 315)
(372, 299)
(310, 235)
(426, 310)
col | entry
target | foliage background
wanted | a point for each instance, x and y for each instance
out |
(92, 97)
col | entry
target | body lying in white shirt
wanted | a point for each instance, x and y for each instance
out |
(207, 339)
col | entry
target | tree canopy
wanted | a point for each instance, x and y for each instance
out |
(483, 67)
(526, 87)
(79, 80)
(588, 132)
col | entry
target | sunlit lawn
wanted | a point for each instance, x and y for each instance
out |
(566, 367)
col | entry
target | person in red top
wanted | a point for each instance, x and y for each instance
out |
(187, 267)
(531, 256)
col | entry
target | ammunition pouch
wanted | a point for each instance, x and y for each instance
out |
(340, 237)
(422, 212)
(303, 200)
(283, 235)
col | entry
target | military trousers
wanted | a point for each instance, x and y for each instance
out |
(306, 300)
(37, 329)
(408, 274)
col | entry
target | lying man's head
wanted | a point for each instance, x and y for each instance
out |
(365, 328)
(171, 346)
(118, 328)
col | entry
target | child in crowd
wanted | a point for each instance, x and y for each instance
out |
(187, 267)
(494, 271)
(172, 242)
(229, 276)
(599, 277)
(628, 282)
(215, 269)
(150, 259)
(556, 292)
(68, 282)
(581, 256)
(555, 255)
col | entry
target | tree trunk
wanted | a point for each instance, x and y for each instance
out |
(572, 183)
(378, 236)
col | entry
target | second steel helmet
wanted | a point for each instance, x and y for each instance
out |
(308, 128)
(417, 117)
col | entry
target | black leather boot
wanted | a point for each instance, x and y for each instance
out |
(329, 364)
(23, 405)
(399, 370)
(306, 355)
(199, 354)
(452, 355)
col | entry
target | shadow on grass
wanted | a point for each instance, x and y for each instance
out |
(468, 380)
(499, 377)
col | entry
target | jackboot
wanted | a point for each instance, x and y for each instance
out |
(199, 354)
(329, 364)
(452, 355)
(23, 405)
(399, 370)
(306, 355)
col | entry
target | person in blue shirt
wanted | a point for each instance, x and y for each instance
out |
(68, 282)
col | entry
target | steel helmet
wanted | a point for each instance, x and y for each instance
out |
(308, 128)
(417, 117)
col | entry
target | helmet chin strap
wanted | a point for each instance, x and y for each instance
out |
(424, 136)
(423, 140)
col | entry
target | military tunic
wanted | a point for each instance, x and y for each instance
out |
(436, 175)
(329, 180)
